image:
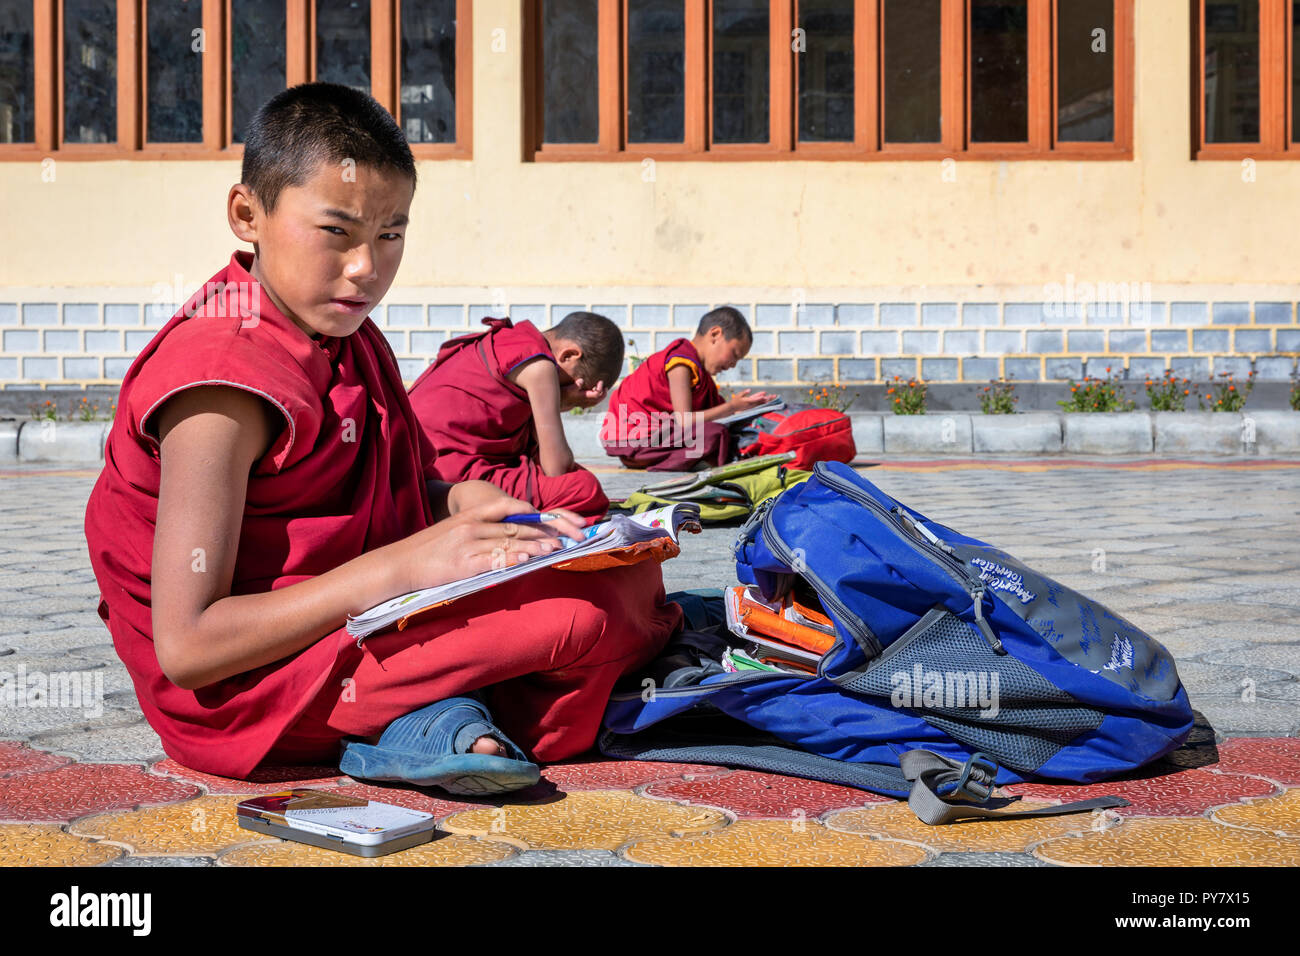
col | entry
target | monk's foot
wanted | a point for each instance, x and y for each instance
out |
(490, 746)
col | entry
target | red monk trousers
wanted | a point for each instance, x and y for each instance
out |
(547, 649)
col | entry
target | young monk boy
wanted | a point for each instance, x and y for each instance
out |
(662, 417)
(265, 478)
(491, 404)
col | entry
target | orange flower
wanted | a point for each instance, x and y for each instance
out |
(1232, 388)
(897, 400)
(1186, 392)
(889, 391)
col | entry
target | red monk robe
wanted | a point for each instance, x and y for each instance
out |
(638, 427)
(346, 475)
(481, 424)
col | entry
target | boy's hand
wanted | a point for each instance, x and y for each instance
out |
(577, 396)
(742, 401)
(475, 540)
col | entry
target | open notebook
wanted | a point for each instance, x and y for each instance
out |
(620, 535)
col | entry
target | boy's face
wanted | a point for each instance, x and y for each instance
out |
(330, 250)
(721, 353)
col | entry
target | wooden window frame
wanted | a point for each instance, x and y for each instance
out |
(868, 144)
(300, 51)
(1275, 90)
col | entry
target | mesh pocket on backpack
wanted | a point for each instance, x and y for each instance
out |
(944, 670)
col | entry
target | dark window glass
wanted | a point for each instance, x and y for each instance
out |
(343, 42)
(1295, 71)
(256, 59)
(429, 70)
(175, 66)
(740, 71)
(571, 107)
(826, 71)
(1085, 71)
(90, 71)
(999, 57)
(17, 74)
(1232, 71)
(913, 99)
(656, 82)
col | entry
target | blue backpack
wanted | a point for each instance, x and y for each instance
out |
(954, 668)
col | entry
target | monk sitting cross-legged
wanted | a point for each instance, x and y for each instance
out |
(491, 404)
(265, 478)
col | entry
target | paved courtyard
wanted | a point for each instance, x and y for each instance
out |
(1204, 556)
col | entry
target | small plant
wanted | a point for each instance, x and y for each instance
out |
(1295, 394)
(998, 398)
(909, 398)
(1230, 398)
(633, 360)
(84, 411)
(1097, 395)
(1169, 394)
(831, 396)
(43, 411)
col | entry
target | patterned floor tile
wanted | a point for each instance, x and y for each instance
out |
(17, 757)
(79, 789)
(984, 859)
(434, 801)
(566, 858)
(1278, 815)
(1186, 841)
(32, 845)
(200, 827)
(620, 774)
(897, 820)
(1182, 794)
(753, 795)
(261, 780)
(160, 860)
(134, 742)
(773, 843)
(586, 820)
(1274, 758)
(447, 850)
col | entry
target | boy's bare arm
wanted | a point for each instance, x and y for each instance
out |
(540, 379)
(679, 388)
(210, 438)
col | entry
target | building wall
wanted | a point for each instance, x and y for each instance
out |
(850, 271)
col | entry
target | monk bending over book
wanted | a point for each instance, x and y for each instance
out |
(265, 478)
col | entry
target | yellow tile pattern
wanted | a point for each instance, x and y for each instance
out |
(590, 820)
(1179, 841)
(1276, 815)
(774, 843)
(199, 827)
(29, 844)
(448, 850)
(896, 820)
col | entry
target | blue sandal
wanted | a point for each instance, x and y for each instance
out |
(430, 747)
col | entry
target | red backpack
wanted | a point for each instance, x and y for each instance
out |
(814, 434)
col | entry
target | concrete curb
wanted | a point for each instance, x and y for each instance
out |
(1266, 432)
(61, 441)
(943, 433)
(1107, 433)
(1032, 433)
(9, 441)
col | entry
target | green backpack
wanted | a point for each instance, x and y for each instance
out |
(724, 493)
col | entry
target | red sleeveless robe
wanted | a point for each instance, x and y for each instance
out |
(637, 427)
(481, 424)
(346, 475)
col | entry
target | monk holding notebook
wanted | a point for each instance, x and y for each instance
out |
(265, 479)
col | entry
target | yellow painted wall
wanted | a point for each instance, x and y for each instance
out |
(497, 221)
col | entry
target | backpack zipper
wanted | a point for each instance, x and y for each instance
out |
(928, 544)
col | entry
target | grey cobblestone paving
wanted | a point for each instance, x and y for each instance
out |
(1201, 557)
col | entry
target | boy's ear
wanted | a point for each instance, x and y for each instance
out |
(243, 212)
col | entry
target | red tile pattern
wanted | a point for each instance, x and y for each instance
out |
(262, 780)
(16, 757)
(1181, 794)
(57, 796)
(1275, 758)
(755, 796)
